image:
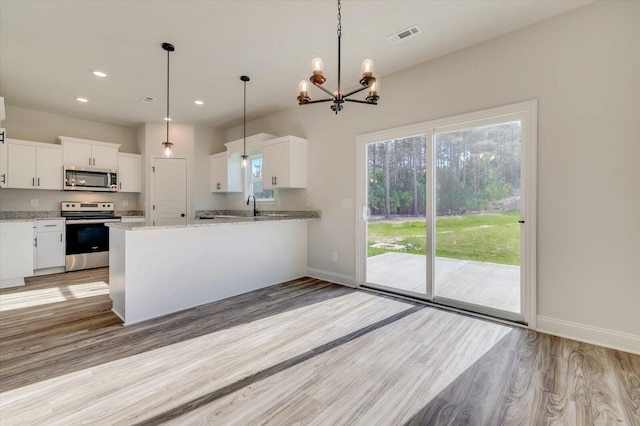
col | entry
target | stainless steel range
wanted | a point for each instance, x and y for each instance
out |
(87, 234)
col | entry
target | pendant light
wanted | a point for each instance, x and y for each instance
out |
(244, 156)
(168, 146)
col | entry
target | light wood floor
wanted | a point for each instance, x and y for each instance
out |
(304, 352)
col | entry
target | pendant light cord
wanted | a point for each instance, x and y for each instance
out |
(339, 38)
(244, 120)
(168, 118)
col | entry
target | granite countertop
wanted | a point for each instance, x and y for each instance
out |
(30, 216)
(218, 219)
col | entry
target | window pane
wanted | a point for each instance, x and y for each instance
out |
(260, 193)
(256, 168)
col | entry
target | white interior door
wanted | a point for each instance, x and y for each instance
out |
(169, 204)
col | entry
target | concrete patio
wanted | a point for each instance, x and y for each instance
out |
(481, 283)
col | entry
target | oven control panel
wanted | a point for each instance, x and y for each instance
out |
(77, 206)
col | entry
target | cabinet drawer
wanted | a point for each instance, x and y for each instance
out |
(50, 225)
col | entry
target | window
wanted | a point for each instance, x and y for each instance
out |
(254, 180)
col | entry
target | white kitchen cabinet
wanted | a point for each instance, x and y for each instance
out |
(50, 244)
(225, 173)
(89, 154)
(284, 163)
(3, 159)
(33, 165)
(129, 168)
(16, 253)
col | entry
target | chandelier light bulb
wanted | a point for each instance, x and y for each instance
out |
(303, 87)
(367, 68)
(317, 65)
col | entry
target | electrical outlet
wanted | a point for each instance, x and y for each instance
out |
(34, 202)
(278, 202)
(334, 256)
(307, 202)
(125, 203)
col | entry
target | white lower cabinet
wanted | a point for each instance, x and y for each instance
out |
(16, 253)
(49, 244)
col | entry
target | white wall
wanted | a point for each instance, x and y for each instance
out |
(584, 69)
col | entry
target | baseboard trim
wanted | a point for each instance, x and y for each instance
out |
(11, 282)
(598, 336)
(333, 277)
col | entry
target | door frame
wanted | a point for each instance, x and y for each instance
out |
(528, 112)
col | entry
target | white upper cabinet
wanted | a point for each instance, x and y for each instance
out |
(225, 173)
(129, 168)
(89, 154)
(284, 163)
(33, 165)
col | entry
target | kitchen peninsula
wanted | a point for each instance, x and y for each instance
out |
(158, 270)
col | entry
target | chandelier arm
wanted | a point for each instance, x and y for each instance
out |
(323, 89)
(318, 101)
(360, 89)
(362, 102)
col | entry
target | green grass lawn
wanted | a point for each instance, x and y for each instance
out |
(485, 237)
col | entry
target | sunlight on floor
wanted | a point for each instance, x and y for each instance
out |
(29, 298)
(298, 347)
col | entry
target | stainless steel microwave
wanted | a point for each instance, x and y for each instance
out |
(85, 179)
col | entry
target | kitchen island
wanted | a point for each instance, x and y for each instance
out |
(158, 270)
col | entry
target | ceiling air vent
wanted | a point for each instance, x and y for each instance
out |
(147, 99)
(405, 34)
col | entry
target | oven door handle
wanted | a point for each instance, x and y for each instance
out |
(86, 221)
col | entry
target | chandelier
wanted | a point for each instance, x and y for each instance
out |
(337, 97)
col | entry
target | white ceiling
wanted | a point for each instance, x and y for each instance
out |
(49, 47)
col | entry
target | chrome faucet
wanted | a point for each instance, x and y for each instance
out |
(255, 210)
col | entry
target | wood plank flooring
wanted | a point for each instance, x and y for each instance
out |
(303, 352)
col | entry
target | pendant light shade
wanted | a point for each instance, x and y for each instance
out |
(245, 157)
(167, 147)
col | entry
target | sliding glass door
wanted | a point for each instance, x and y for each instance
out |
(444, 209)
(476, 232)
(395, 215)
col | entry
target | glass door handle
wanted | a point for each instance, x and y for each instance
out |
(521, 221)
(366, 212)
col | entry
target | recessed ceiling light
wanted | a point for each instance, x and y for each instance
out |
(100, 74)
(83, 100)
(167, 119)
(198, 102)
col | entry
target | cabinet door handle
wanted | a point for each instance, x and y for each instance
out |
(38, 181)
(89, 160)
(94, 161)
(33, 181)
(120, 186)
(276, 179)
(60, 237)
(49, 226)
(4, 178)
(35, 242)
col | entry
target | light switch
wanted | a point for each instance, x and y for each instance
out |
(347, 203)
(34, 202)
